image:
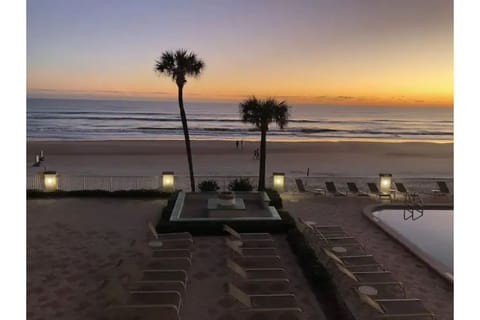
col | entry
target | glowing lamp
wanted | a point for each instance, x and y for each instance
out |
(385, 182)
(278, 181)
(50, 180)
(168, 181)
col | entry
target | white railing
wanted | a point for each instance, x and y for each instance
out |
(116, 183)
(108, 183)
(34, 182)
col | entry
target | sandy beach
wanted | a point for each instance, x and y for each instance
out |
(138, 158)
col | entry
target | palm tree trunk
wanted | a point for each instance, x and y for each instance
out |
(263, 156)
(187, 136)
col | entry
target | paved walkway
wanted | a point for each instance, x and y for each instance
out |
(419, 280)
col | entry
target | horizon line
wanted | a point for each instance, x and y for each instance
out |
(300, 100)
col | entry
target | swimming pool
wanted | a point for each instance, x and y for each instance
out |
(428, 235)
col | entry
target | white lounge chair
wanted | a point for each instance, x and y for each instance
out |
(397, 308)
(265, 302)
(246, 236)
(245, 252)
(258, 274)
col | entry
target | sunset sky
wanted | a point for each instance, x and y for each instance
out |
(347, 52)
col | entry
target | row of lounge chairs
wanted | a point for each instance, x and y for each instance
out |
(259, 280)
(353, 190)
(156, 290)
(372, 283)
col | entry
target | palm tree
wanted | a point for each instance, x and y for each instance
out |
(261, 113)
(178, 65)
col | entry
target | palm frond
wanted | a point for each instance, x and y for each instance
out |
(263, 112)
(179, 64)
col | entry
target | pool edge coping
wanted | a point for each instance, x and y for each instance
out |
(438, 267)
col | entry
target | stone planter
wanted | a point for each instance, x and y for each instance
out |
(226, 199)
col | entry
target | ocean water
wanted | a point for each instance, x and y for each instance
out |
(75, 119)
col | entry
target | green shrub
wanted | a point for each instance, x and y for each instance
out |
(240, 184)
(275, 199)
(208, 185)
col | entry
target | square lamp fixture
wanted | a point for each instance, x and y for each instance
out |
(385, 182)
(168, 181)
(278, 181)
(50, 180)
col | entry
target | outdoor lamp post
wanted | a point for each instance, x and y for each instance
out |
(50, 180)
(385, 182)
(168, 181)
(278, 181)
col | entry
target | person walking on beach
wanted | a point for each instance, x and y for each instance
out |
(236, 144)
(257, 154)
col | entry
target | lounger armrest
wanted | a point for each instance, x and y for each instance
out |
(263, 269)
(375, 283)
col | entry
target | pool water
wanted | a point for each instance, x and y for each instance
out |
(431, 234)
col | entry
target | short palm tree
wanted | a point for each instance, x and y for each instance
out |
(178, 65)
(261, 113)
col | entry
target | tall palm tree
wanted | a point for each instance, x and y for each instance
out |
(178, 65)
(261, 113)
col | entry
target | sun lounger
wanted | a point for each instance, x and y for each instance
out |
(266, 243)
(340, 250)
(272, 314)
(442, 189)
(266, 302)
(300, 186)
(328, 236)
(353, 261)
(397, 308)
(245, 252)
(383, 281)
(168, 236)
(171, 244)
(258, 274)
(159, 286)
(246, 236)
(332, 189)
(381, 195)
(324, 231)
(332, 238)
(144, 312)
(126, 304)
(171, 253)
(160, 300)
(353, 189)
(258, 262)
(407, 194)
(263, 287)
(135, 274)
(169, 264)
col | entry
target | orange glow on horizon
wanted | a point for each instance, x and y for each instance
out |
(362, 83)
